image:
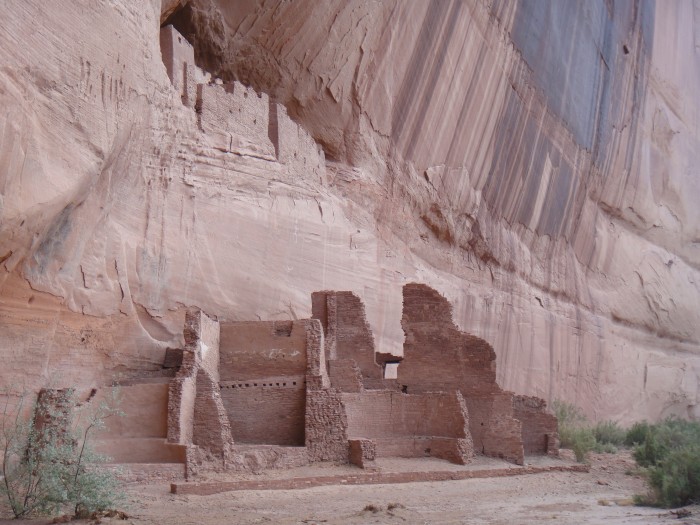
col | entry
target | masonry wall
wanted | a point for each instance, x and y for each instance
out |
(178, 57)
(409, 425)
(348, 335)
(266, 414)
(235, 118)
(262, 367)
(326, 420)
(437, 356)
(201, 352)
(539, 426)
(259, 349)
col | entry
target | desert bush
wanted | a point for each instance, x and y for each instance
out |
(636, 433)
(47, 461)
(609, 433)
(663, 438)
(605, 448)
(574, 431)
(676, 479)
(581, 441)
(568, 414)
(670, 451)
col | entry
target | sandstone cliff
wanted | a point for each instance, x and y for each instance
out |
(535, 162)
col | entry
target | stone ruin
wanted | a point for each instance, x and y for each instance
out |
(235, 119)
(250, 395)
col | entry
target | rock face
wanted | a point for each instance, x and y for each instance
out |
(534, 162)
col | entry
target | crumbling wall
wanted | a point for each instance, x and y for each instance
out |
(437, 356)
(362, 452)
(212, 430)
(295, 147)
(345, 375)
(348, 335)
(236, 119)
(196, 413)
(326, 420)
(411, 425)
(540, 430)
(263, 369)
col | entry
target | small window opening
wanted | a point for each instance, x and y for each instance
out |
(391, 370)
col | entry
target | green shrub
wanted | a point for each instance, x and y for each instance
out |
(582, 441)
(636, 434)
(574, 431)
(568, 414)
(605, 448)
(609, 433)
(676, 479)
(47, 462)
(670, 451)
(663, 438)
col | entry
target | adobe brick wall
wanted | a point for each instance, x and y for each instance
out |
(540, 427)
(407, 425)
(267, 414)
(348, 335)
(362, 452)
(236, 118)
(258, 349)
(438, 356)
(212, 430)
(207, 349)
(345, 375)
(262, 378)
(316, 370)
(178, 57)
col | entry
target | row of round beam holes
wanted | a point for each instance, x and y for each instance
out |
(247, 385)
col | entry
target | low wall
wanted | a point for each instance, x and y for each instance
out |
(430, 424)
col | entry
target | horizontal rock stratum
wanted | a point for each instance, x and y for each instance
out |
(535, 162)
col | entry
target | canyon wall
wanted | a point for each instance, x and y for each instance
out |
(535, 162)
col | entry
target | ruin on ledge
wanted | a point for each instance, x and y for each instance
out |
(274, 394)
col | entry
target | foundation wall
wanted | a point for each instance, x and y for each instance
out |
(380, 414)
(212, 430)
(407, 425)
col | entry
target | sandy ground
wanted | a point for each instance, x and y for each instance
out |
(602, 496)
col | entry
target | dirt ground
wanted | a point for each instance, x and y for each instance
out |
(602, 496)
